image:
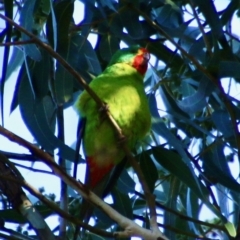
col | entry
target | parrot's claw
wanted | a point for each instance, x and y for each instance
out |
(104, 108)
(103, 111)
(121, 140)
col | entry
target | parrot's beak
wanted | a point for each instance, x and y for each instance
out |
(140, 61)
(146, 56)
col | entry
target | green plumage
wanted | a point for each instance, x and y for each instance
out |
(121, 87)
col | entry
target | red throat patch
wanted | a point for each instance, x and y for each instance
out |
(96, 173)
(140, 62)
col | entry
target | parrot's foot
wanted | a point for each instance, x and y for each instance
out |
(103, 111)
(104, 108)
(122, 140)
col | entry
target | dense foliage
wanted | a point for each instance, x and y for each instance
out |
(192, 88)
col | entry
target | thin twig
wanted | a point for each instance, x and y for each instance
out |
(52, 205)
(208, 47)
(17, 43)
(62, 164)
(176, 230)
(33, 169)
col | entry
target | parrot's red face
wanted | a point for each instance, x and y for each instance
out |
(140, 61)
(135, 56)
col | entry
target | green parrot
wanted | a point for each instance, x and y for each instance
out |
(121, 87)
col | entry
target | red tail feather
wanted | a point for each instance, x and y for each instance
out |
(96, 172)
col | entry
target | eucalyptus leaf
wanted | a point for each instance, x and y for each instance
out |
(209, 11)
(216, 167)
(229, 69)
(15, 61)
(130, 20)
(198, 100)
(125, 183)
(169, 218)
(149, 170)
(28, 23)
(35, 118)
(122, 203)
(223, 123)
(83, 59)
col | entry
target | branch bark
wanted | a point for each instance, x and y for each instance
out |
(19, 200)
(130, 228)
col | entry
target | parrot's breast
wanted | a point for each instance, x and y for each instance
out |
(121, 88)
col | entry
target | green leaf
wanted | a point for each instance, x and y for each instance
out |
(197, 101)
(168, 16)
(14, 102)
(35, 117)
(108, 46)
(209, 11)
(40, 74)
(13, 216)
(216, 166)
(165, 54)
(88, 17)
(63, 11)
(130, 20)
(160, 128)
(231, 229)
(125, 183)
(27, 22)
(192, 209)
(149, 170)
(109, 4)
(45, 6)
(171, 104)
(15, 61)
(92, 236)
(229, 12)
(197, 49)
(223, 122)
(122, 203)
(172, 161)
(8, 7)
(169, 218)
(229, 69)
(81, 56)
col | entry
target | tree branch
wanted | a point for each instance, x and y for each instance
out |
(102, 105)
(131, 227)
(19, 200)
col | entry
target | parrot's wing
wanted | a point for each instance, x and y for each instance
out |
(80, 132)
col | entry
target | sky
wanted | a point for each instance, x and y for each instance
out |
(14, 123)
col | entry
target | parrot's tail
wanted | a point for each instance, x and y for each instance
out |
(87, 208)
(85, 215)
(100, 182)
(95, 172)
